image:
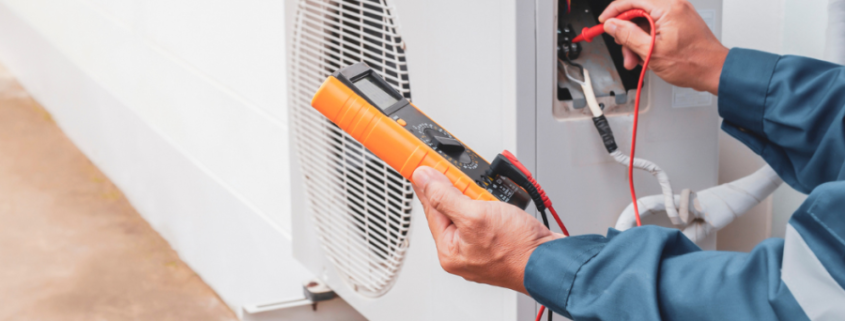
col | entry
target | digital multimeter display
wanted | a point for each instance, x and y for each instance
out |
(395, 141)
(378, 95)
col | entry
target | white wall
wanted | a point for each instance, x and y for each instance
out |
(207, 74)
(182, 105)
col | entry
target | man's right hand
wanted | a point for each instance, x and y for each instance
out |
(485, 242)
(686, 53)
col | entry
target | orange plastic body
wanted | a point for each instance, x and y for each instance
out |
(387, 139)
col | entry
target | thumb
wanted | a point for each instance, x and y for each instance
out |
(443, 197)
(630, 35)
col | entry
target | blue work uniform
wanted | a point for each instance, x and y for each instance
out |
(790, 110)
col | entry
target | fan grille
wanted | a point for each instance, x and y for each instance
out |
(361, 207)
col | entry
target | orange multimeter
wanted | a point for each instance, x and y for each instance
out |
(365, 106)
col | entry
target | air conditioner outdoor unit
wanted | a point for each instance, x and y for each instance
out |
(487, 71)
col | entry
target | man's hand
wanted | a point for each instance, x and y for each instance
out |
(686, 53)
(485, 242)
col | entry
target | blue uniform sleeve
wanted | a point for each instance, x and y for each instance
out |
(790, 111)
(655, 273)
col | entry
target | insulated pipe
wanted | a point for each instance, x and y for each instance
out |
(724, 203)
(648, 206)
(835, 45)
(712, 209)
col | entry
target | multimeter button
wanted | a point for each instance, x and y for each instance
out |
(402, 122)
(464, 158)
(448, 144)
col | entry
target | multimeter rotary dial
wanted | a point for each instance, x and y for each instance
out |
(448, 147)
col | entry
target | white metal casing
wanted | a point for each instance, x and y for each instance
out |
(485, 71)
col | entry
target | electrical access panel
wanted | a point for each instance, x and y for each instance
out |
(678, 127)
(615, 86)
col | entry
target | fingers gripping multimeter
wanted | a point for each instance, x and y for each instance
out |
(365, 106)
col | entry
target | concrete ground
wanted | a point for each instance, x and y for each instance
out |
(71, 246)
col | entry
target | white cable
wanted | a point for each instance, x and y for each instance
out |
(712, 209)
(587, 86)
(662, 179)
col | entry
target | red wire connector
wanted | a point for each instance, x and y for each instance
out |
(546, 201)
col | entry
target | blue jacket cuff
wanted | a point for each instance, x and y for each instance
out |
(552, 268)
(743, 88)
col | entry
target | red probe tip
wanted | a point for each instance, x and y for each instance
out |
(587, 34)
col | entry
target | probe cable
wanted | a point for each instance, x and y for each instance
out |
(540, 315)
(545, 202)
(587, 34)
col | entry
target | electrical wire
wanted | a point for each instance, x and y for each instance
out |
(545, 219)
(636, 116)
(587, 35)
(564, 63)
(546, 201)
(540, 315)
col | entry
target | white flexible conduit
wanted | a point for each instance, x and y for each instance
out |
(835, 46)
(662, 178)
(712, 209)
